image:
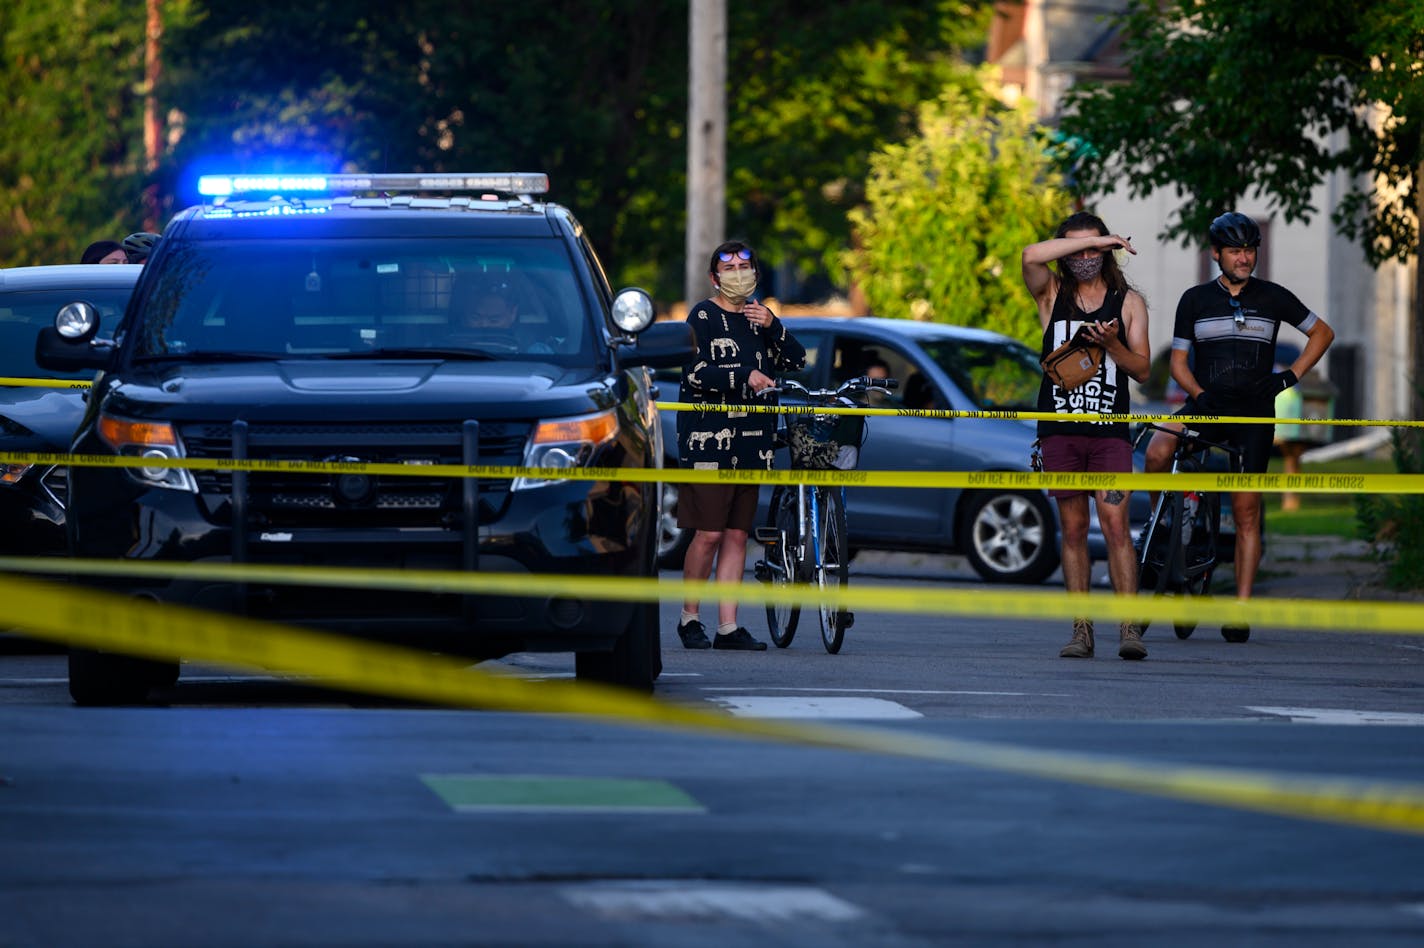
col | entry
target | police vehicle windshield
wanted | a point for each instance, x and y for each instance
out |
(351, 298)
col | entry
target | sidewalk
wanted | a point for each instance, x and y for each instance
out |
(1292, 568)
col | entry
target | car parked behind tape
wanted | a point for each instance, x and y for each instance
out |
(37, 417)
(400, 319)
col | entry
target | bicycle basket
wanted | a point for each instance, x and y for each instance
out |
(825, 442)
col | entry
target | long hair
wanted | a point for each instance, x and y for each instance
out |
(1112, 273)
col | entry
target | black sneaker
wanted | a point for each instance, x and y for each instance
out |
(738, 638)
(1236, 633)
(693, 635)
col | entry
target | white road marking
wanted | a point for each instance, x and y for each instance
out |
(1344, 716)
(832, 707)
(699, 899)
(895, 691)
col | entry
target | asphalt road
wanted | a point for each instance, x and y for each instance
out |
(252, 810)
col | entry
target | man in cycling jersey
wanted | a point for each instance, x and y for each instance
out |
(1232, 322)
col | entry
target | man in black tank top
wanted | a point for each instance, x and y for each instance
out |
(1232, 322)
(1089, 292)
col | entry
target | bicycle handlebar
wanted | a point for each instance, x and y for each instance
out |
(858, 385)
(1188, 435)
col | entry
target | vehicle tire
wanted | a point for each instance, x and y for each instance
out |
(782, 618)
(834, 572)
(673, 540)
(103, 678)
(636, 658)
(1010, 537)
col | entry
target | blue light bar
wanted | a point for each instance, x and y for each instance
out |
(226, 185)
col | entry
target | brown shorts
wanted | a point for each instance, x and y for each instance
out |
(1073, 454)
(717, 506)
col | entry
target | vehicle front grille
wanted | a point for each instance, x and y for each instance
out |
(56, 481)
(297, 499)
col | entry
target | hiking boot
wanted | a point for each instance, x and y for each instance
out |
(1130, 642)
(693, 635)
(1081, 645)
(738, 638)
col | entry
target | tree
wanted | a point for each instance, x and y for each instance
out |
(1268, 97)
(949, 211)
(70, 145)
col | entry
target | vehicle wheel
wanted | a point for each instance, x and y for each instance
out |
(673, 540)
(834, 572)
(782, 618)
(102, 678)
(1010, 537)
(636, 658)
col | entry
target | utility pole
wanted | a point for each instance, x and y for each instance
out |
(706, 141)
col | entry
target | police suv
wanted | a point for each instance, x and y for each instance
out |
(360, 320)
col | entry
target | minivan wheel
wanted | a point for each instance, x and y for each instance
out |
(102, 678)
(1010, 537)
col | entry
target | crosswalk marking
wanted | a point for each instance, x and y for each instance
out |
(834, 707)
(1343, 716)
(700, 899)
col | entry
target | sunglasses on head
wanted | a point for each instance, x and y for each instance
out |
(730, 255)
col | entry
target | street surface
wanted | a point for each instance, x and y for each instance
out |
(252, 810)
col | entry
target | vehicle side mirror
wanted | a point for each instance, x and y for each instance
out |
(63, 354)
(661, 345)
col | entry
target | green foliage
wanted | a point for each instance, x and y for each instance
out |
(1391, 521)
(949, 211)
(71, 157)
(1268, 97)
(594, 94)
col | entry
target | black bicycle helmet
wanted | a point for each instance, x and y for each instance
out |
(1234, 230)
(138, 246)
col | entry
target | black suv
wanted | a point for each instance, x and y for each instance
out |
(452, 319)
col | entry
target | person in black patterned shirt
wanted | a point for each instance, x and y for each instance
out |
(741, 346)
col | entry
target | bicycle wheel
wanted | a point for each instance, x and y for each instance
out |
(1199, 555)
(781, 618)
(1160, 564)
(832, 565)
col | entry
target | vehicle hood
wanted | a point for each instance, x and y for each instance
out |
(376, 389)
(50, 414)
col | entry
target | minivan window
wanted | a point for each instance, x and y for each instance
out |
(995, 375)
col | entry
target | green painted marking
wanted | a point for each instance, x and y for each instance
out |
(531, 792)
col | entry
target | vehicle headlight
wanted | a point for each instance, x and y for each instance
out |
(148, 439)
(12, 474)
(566, 442)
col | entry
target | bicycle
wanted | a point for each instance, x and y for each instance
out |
(1178, 549)
(805, 538)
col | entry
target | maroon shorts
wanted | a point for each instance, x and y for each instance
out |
(716, 507)
(1074, 454)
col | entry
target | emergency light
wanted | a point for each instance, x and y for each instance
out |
(226, 185)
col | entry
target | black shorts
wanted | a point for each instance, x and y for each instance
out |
(715, 507)
(1254, 441)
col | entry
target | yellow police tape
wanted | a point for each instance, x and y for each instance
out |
(997, 414)
(1013, 480)
(88, 619)
(1009, 414)
(1353, 616)
(45, 383)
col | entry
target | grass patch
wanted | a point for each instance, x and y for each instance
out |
(1327, 515)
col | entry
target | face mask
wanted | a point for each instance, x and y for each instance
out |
(1085, 269)
(737, 285)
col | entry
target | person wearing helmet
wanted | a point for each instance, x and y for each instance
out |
(1229, 326)
(138, 246)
